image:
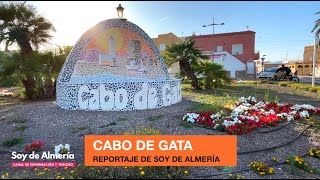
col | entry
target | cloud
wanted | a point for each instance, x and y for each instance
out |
(164, 19)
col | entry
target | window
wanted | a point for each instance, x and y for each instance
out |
(162, 47)
(310, 58)
(219, 48)
(237, 49)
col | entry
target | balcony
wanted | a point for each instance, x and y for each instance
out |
(256, 55)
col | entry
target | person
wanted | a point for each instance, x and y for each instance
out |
(286, 71)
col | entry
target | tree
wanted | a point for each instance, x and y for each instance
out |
(42, 67)
(214, 74)
(316, 27)
(187, 55)
(21, 24)
(5, 81)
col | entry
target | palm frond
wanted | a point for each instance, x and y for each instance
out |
(21, 23)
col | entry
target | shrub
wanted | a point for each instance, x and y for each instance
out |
(35, 72)
(261, 168)
(304, 87)
(314, 152)
(314, 89)
(12, 142)
(297, 161)
(294, 85)
(7, 82)
(236, 176)
(143, 131)
(214, 74)
(283, 83)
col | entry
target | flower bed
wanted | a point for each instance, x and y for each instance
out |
(5, 93)
(248, 114)
(35, 146)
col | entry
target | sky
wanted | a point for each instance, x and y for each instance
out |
(282, 28)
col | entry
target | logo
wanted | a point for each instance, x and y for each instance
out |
(61, 152)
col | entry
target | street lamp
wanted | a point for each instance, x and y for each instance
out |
(120, 11)
(213, 24)
(262, 61)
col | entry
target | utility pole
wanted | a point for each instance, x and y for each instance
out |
(316, 42)
(213, 24)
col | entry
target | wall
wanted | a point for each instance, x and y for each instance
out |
(308, 52)
(247, 38)
(167, 39)
(230, 63)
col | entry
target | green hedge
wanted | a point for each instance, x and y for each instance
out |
(303, 87)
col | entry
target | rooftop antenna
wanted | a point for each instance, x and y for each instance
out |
(182, 35)
(248, 27)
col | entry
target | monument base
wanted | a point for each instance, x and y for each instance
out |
(119, 96)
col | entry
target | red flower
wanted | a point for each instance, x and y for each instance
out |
(247, 125)
(35, 146)
(28, 148)
(39, 143)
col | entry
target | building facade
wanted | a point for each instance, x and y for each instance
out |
(164, 40)
(239, 44)
(303, 68)
(238, 47)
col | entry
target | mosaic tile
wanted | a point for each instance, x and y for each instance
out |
(115, 66)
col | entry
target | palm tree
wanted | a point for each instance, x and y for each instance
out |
(187, 55)
(21, 24)
(214, 74)
(316, 27)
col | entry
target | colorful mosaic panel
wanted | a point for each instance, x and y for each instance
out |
(115, 66)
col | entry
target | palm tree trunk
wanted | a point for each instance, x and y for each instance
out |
(30, 86)
(208, 82)
(186, 68)
(29, 83)
(6, 47)
(25, 46)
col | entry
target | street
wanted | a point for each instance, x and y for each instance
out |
(308, 80)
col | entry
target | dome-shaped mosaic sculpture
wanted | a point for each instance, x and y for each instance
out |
(115, 66)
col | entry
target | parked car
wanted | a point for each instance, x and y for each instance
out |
(276, 73)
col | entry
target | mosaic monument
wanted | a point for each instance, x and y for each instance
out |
(115, 66)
